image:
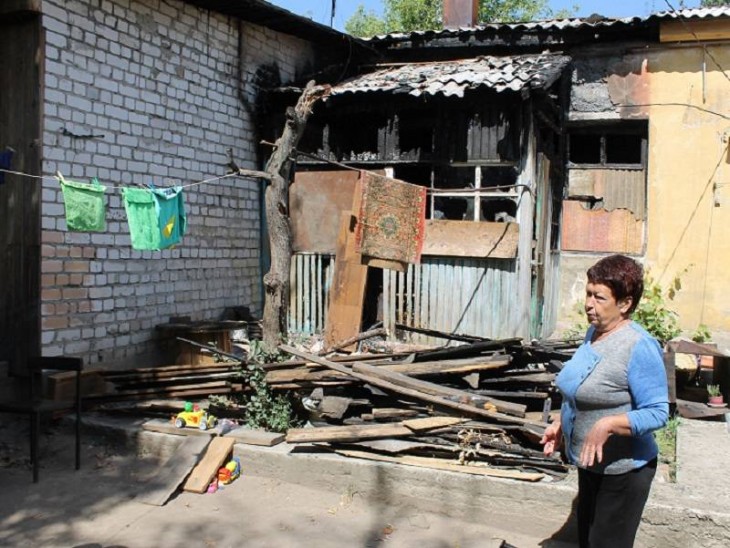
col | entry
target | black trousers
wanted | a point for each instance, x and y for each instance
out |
(610, 507)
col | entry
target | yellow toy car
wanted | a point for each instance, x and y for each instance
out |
(194, 417)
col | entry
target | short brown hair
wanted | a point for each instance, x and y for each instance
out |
(623, 275)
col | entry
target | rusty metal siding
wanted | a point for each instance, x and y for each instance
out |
(465, 296)
(310, 281)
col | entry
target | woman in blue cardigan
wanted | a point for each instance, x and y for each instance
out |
(615, 395)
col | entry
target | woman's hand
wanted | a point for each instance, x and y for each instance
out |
(592, 451)
(551, 438)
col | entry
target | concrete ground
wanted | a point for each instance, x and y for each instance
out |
(292, 498)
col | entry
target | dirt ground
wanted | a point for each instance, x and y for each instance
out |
(95, 507)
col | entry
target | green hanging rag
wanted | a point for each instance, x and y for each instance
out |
(170, 214)
(84, 205)
(156, 217)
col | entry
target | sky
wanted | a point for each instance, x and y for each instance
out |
(319, 10)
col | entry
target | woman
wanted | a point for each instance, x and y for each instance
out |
(614, 392)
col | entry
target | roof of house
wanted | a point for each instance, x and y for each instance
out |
(452, 78)
(594, 22)
(276, 18)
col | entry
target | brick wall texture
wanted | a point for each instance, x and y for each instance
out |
(156, 84)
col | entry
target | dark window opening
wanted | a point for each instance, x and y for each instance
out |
(354, 135)
(499, 210)
(623, 149)
(585, 149)
(455, 209)
(415, 134)
(610, 145)
(498, 177)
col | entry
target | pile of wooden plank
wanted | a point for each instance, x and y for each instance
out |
(173, 381)
(479, 408)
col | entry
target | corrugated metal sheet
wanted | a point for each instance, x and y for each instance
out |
(453, 78)
(618, 188)
(560, 24)
(310, 281)
(463, 296)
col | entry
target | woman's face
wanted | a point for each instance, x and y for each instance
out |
(603, 311)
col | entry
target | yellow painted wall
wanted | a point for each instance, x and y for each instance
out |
(688, 219)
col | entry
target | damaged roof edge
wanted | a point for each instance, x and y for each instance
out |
(518, 73)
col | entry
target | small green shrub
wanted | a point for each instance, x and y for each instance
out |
(713, 390)
(653, 312)
(702, 334)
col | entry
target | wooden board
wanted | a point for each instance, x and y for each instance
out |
(368, 431)
(316, 201)
(442, 464)
(215, 457)
(471, 239)
(344, 317)
(170, 475)
(429, 423)
(255, 437)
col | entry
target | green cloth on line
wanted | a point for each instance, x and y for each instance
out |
(156, 217)
(84, 205)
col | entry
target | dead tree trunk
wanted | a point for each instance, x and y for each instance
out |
(276, 280)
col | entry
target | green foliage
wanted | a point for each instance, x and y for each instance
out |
(263, 408)
(713, 390)
(714, 3)
(653, 312)
(666, 439)
(702, 334)
(410, 15)
(365, 23)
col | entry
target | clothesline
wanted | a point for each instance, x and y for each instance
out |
(56, 178)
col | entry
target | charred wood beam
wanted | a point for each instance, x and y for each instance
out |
(466, 350)
(439, 334)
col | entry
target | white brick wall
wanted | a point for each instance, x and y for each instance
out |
(159, 81)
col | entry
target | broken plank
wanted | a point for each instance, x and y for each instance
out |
(347, 433)
(367, 431)
(392, 413)
(448, 366)
(207, 468)
(170, 474)
(443, 464)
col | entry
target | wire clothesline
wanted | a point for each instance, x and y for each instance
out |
(56, 178)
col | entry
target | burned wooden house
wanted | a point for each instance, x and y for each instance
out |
(480, 133)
